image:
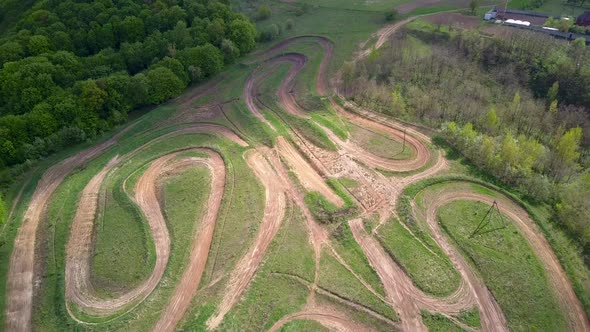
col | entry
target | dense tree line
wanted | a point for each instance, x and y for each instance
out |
(71, 69)
(517, 106)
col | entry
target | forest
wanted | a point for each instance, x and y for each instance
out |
(517, 106)
(70, 70)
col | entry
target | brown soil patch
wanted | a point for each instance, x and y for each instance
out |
(308, 177)
(454, 19)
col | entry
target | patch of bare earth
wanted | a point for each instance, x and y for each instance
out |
(308, 177)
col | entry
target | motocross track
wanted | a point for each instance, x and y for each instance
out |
(274, 211)
(22, 260)
(308, 177)
(79, 249)
(376, 194)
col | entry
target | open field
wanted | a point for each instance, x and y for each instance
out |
(259, 202)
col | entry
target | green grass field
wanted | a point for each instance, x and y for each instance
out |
(380, 144)
(276, 292)
(303, 325)
(430, 269)
(336, 279)
(554, 7)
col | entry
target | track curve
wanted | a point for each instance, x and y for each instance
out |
(79, 289)
(557, 277)
(329, 318)
(21, 269)
(189, 282)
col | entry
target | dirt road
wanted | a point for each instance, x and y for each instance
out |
(383, 35)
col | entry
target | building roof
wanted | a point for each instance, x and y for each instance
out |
(584, 19)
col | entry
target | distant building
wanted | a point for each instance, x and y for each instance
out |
(491, 15)
(583, 20)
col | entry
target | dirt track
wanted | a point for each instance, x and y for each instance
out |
(313, 182)
(274, 211)
(79, 250)
(407, 299)
(384, 34)
(188, 285)
(308, 177)
(328, 317)
(21, 269)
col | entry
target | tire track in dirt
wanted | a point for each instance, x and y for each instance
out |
(284, 93)
(249, 98)
(308, 177)
(405, 297)
(383, 36)
(327, 316)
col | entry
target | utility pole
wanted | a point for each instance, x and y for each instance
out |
(487, 219)
(404, 145)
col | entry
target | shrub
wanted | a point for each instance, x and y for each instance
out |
(391, 15)
(289, 24)
(263, 12)
(270, 33)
